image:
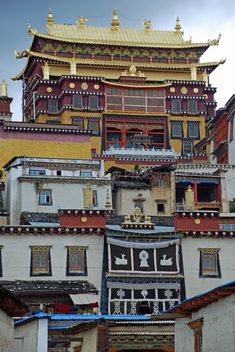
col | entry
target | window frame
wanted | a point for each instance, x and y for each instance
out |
(209, 273)
(189, 134)
(50, 202)
(194, 104)
(70, 270)
(95, 203)
(94, 108)
(55, 105)
(43, 251)
(183, 146)
(94, 119)
(77, 106)
(179, 109)
(37, 172)
(85, 172)
(177, 124)
(78, 122)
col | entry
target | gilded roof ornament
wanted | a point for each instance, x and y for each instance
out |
(137, 220)
(147, 25)
(50, 17)
(132, 72)
(214, 41)
(31, 30)
(20, 54)
(81, 22)
(115, 21)
(178, 25)
(3, 90)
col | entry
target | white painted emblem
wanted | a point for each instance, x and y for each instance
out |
(122, 260)
(144, 259)
(166, 262)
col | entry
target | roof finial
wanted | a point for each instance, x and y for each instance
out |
(81, 22)
(3, 91)
(147, 24)
(50, 17)
(115, 21)
(177, 25)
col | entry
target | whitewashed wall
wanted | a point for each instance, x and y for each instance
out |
(217, 329)
(6, 332)
(26, 337)
(191, 259)
(16, 254)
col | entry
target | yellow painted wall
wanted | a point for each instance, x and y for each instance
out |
(53, 149)
(176, 144)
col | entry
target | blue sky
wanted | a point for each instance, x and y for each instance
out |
(200, 19)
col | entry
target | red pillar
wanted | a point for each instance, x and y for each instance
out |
(195, 192)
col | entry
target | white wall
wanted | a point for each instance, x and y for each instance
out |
(89, 343)
(16, 254)
(191, 258)
(6, 332)
(217, 329)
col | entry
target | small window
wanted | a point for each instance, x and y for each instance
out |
(209, 262)
(58, 173)
(45, 197)
(94, 125)
(93, 102)
(1, 261)
(53, 122)
(85, 173)
(77, 101)
(160, 208)
(192, 107)
(139, 203)
(52, 105)
(40, 261)
(176, 129)
(187, 147)
(37, 172)
(176, 106)
(76, 261)
(193, 130)
(78, 121)
(95, 198)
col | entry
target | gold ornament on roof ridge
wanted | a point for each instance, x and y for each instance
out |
(178, 25)
(50, 17)
(115, 21)
(147, 25)
(137, 220)
(81, 22)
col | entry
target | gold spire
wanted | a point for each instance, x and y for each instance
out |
(3, 91)
(81, 22)
(115, 21)
(177, 25)
(50, 17)
(147, 25)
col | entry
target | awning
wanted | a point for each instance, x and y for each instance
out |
(84, 298)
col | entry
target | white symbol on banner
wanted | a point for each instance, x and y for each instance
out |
(121, 293)
(168, 294)
(133, 307)
(156, 307)
(122, 260)
(171, 304)
(143, 259)
(144, 293)
(166, 262)
(117, 309)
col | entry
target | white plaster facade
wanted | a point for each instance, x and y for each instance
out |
(31, 337)
(19, 246)
(218, 328)
(65, 179)
(6, 332)
(194, 284)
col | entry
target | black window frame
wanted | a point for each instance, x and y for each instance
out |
(213, 252)
(50, 202)
(173, 125)
(38, 249)
(69, 269)
(52, 106)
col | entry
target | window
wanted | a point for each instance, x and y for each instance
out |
(196, 326)
(209, 262)
(139, 203)
(78, 121)
(76, 261)
(52, 105)
(231, 129)
(85, 173)
(58, 173)
(192, 107)
(160, 207)
(77, 101)
(37, 172)
(40, 261)
(176, 106)
(193, 130)
(94, 125)
(53, 122)
(187, 147)
(1, 261)
(176, 129)
(93, 102)
(95, 198)
(45, 197)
